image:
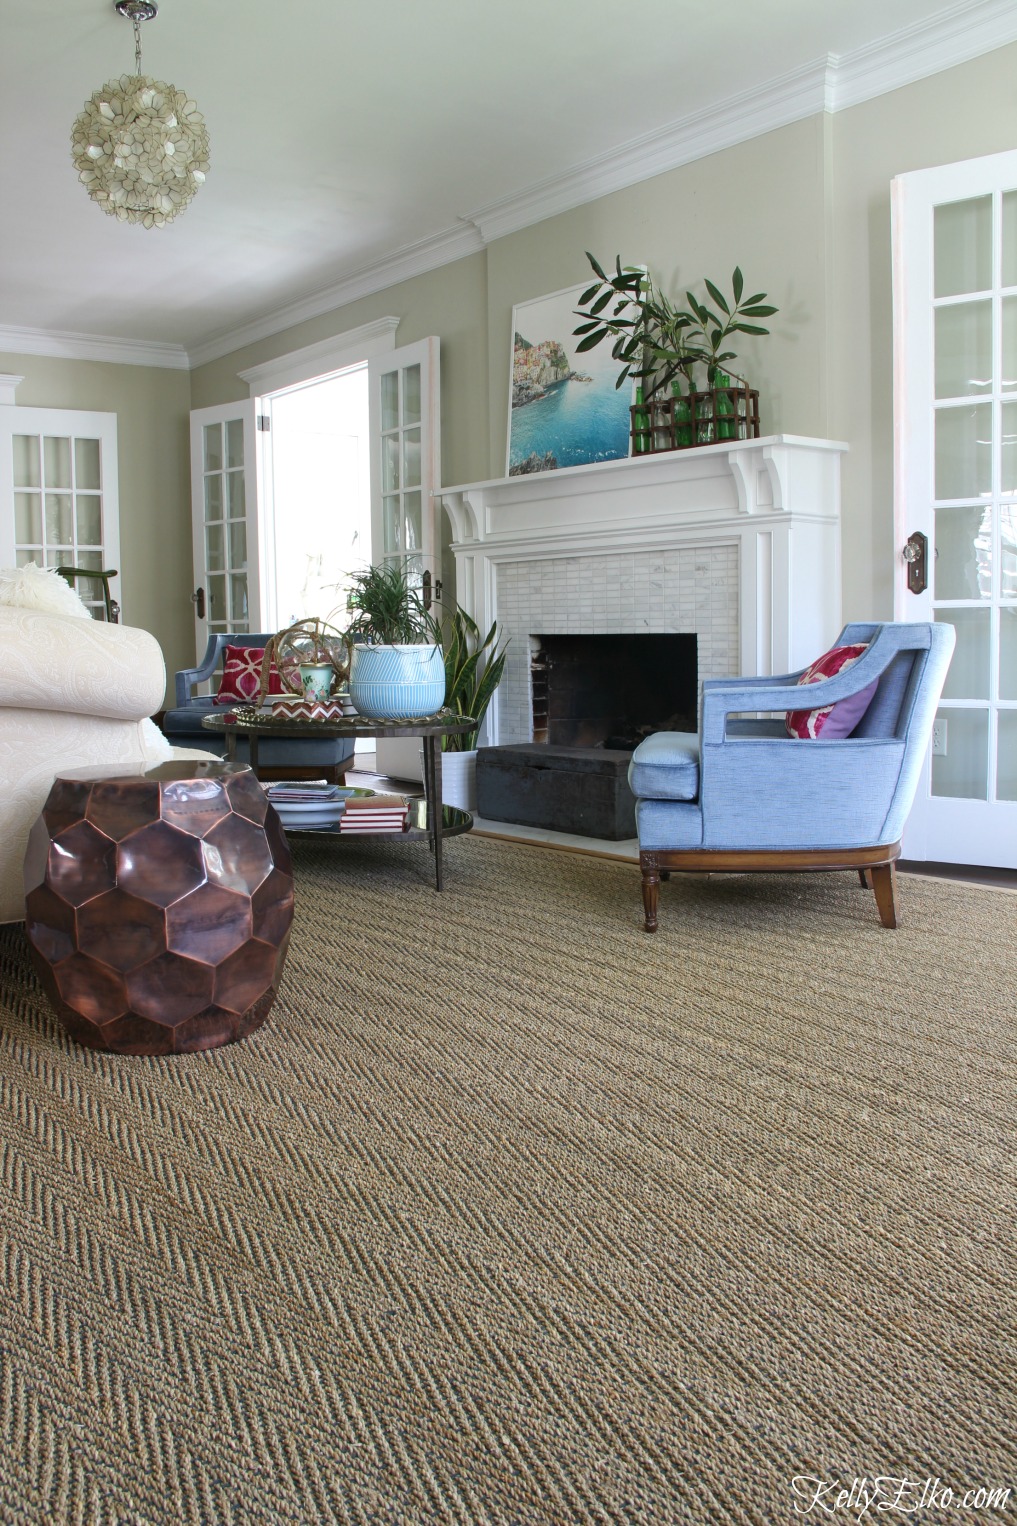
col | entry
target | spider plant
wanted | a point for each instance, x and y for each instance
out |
(386, 606)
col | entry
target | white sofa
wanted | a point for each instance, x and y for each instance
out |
(72, 692)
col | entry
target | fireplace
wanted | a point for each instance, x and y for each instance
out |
(737, 542)
(611, 691)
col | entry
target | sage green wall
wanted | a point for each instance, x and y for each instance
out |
(152, 407)
(759, 205)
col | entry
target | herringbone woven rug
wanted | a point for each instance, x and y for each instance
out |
(513, 1214)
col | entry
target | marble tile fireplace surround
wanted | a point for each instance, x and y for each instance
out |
(737, 544)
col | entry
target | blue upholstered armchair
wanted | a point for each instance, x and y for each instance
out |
(742, 795)
(278, 758)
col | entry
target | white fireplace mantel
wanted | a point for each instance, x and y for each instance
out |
(738, 542)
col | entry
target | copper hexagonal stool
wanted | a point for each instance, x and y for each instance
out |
(159, 904)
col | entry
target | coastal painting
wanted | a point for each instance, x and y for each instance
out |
(564, 408)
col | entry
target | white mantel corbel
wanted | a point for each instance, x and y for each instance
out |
(776, 500)
(9, 384)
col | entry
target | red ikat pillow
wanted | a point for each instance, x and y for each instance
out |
(832, 721)
(241, 676)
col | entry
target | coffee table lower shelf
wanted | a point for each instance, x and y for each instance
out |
(453, 822)
(430, 728)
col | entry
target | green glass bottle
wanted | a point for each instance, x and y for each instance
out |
(682, 416)
(640, 425)
(724, 407)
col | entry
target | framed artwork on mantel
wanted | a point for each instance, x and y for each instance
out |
(564, 408)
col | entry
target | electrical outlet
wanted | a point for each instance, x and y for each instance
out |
(939, 738)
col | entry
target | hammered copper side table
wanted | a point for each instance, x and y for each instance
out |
(159, 905)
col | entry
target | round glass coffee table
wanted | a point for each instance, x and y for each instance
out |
(424, 821)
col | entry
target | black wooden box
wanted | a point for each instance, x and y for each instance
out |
(583, 790)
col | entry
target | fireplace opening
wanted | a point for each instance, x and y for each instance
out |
(612, 691)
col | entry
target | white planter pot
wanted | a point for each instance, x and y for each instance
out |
(459, 780)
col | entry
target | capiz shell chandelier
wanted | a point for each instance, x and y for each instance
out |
(140, 146)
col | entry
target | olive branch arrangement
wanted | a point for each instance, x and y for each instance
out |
(655, 340)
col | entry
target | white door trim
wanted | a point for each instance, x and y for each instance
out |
(316, 361)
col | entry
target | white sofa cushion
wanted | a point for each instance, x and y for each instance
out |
(57, 662)
(72, 693)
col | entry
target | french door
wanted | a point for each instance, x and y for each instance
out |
(955, 352)
(226, 525)
(233, 523)
(59, 495)
(406, 455)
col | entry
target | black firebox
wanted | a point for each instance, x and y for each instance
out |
(612, 691)
(594, 699)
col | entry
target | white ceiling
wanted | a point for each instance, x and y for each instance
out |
(355, 142)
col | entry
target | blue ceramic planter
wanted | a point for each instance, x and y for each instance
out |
(398, 683)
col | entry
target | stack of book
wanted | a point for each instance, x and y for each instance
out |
(374, 813)
(300, 793)
(302, 805)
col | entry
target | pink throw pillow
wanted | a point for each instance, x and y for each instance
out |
(832, 721)
(241, 676)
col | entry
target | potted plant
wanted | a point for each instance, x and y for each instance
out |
(660, 346)
(473, 670)
(397, 669)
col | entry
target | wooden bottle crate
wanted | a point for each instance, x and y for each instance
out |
(712, 417)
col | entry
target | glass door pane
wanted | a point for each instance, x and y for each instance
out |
(401, 464)
(974, 485)
(225, 526)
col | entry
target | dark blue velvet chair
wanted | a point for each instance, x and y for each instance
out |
(281, 758)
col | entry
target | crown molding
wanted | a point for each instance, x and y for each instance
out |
(61, 345)
(412, 260)
(831, 84)
(953, 36)
(800, 93)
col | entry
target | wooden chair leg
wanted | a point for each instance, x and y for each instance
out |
(865, 878)
(884, 886)
(651, 890)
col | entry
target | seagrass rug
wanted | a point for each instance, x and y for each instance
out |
(513, 1214)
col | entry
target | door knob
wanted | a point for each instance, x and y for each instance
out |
(916, 554)
(198, 600)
